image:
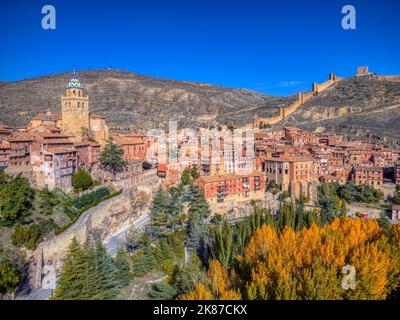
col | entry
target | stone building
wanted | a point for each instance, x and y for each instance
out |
(55, 167)
(134, 148)
(371, 176)
(295, 175)
(88, 154)
(233, 187)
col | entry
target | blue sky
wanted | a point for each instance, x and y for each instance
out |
(275, 47)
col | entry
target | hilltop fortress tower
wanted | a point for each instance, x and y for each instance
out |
(76, 117)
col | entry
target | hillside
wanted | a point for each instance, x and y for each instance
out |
(129, 99)
(362, 106)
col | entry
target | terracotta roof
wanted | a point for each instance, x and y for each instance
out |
(289, 159)
(124, 140)
(368, 169)
(47, 127)
(21, 136)
(4, 145)
(57, 141)
(218, 178)
(60, 150)
(82, 144)
(4, 127)
(228, 176)
(47, 116)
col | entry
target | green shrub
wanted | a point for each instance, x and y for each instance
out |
(81, 180)
(26, 236)
(217, 219)
(90, 198)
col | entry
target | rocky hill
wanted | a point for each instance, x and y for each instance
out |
(139, 102)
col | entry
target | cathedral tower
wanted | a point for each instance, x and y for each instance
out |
(75, 109)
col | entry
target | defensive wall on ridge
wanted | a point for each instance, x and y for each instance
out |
(285, 112)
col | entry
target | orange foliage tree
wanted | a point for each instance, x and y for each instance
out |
(218, 286)
(308, 264)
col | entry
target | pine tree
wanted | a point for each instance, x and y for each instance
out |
(122, 268)
(73, 273)
(162, 291)
(222, 244)
(199, 212)
(92, 286)
(191, 274)
(108, 279)
(186, 177)
(158, 213)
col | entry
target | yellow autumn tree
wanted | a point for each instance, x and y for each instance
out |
(218, 286)
(309, 264)
(200, 292)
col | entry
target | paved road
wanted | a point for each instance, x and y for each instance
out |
(38, 294)
(113, 242)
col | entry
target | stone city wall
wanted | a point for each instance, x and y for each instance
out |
(302, 98)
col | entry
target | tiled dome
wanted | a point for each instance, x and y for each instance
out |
(74, 83)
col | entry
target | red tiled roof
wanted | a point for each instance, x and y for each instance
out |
(57, 141)
(20, 136)
(4, 145)
(124, 140)
(60, 150)
(228, 176)
(289, 159)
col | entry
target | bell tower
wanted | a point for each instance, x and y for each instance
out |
(75, 109)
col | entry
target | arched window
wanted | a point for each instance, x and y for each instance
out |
(74, 93)
(79, 104)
